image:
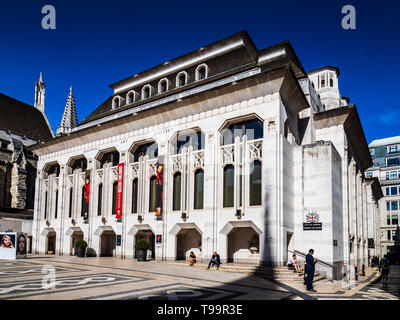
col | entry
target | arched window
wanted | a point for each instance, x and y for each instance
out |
(176, 191)
(201, 72)
(83, 200)
(181, 79)
(114, 198)
(56, 208)
(70, 202)
(116, 102)
(45, 205)
(163, 86)
(253, 129)
(152, 194)
(229, 185)
(322, 83)
(130, 98)
(146, 92)
(255, 183)
(199, 189)
(331, 82)
(193, 138)
(135, 190)
(99, 199)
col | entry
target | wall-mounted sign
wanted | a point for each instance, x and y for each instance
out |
(118, 239)
(335, 243)
(159, 239)
(312, 217)
(312, 226)
(120, 183)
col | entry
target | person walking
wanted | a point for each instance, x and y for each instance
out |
(384, 266)
(215, 260)
(310, 269)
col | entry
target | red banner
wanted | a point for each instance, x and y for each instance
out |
(120, 190)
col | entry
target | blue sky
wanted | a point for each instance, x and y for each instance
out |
(100, 42)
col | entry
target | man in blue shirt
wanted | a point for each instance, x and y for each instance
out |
(310, 269)
(215, 260)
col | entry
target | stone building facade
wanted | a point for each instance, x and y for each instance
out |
(17, 163)
(253, 155)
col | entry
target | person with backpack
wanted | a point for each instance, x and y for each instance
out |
(384, 268)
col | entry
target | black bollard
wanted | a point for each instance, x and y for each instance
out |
(363, 269)
(356, 271)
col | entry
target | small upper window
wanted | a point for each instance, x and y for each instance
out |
(146, 92)
(201, 72)
(130, 97)
(322, 83)
(181, 79)
(331, 82)
(116, 102)
(163, 86)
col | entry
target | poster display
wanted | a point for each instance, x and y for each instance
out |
(8, 245)
(120, 190)
(21, 245)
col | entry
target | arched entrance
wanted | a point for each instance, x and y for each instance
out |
(243, 242)
(51, 243)
(75, 234)
(187, 240)
(149, 236)
(107, 240)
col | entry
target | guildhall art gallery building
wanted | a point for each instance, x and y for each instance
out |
(258, 158)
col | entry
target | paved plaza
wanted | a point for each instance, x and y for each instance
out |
(127, 279)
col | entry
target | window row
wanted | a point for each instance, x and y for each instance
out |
(392, 205)
(181, 80)
(392, 191)
(392, 175)
(394, 220)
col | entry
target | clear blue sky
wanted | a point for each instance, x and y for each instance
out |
(100, 42)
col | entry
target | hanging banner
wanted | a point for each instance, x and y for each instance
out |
(86, 193)
(159, 188)
(120, 184)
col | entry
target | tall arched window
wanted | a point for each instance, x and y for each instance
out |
(99, 199)
(56, 208)
(255, 183)
(176, 191)
(83, 200)
(45, 205)
(114, 199)
(331, 82)
(322, 83)
(135, 189)
(152, 194)
(199, 189)
(229, 178)
(70, 202)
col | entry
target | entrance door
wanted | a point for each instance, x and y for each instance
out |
(188, 240)
(150, 238)
(51, 244)
(243, 245)
(108, 243)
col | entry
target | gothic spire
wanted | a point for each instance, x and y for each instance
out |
(40, 89)
(69, 119)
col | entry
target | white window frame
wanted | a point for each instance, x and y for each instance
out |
(114, 102)
(203, 65)
(186, 79)
(159, 85)
(151, 91)
(135, 95)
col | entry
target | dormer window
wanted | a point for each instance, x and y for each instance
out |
(163, 86)
(181, 79)
(116, 103)
(201, 72)
(131, 97)
(146, 92)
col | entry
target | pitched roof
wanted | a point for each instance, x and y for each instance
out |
(23, 119)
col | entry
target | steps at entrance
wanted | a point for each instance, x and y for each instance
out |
(274, 273)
